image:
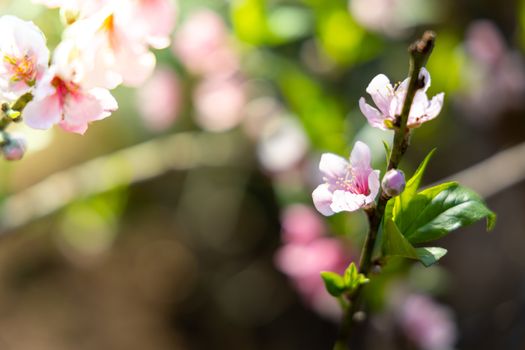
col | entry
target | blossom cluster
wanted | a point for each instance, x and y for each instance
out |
(203, 46)
(105, 43)
(349, 186)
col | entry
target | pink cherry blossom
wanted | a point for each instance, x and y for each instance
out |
(60, 98)
(24, 57)
(390, 99)
(427, 324)
(202, 44)
(112, 51)
(159, 100)
(348, 186)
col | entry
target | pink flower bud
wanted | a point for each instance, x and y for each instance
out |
(14, 149)
(393, 182)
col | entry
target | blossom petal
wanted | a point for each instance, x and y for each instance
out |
(381, 91)
(418, 108)
(347, 201)
(85, 107)
(44, 113)
(373, 186)
(374, 117)
(107, 101)
(435, 106)
(76, 128)
(135, 64)
(333, 166)
(322, 198)
(360, 157)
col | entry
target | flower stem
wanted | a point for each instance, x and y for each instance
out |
(17, 106)
(419, 51)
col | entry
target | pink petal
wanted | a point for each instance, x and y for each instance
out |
(135, 67)
(106, 100)
(374, 117)
(360, 158)
(347, 201)
(418, 108)
(333, 166)
(85, 107)
(381, 92)
(76, 128)
(435, 106)
(322, 198)
(373, 186)
(42, 114)
(158, 17)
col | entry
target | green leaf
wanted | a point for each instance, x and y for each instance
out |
(395, 244)
(439, 210)
(334, 283)
(430, 255)
(353, 279)
(387, 151)
(402, 201)
(416, 205)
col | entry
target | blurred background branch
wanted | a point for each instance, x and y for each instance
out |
(145, 161)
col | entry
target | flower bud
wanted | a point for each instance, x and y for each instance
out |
(14, 148)
(393, 182)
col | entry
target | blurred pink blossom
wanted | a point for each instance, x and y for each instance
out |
(282, 144)
(305, 253)
(159, 99)
(24, 57)
(427, 324)
(348, 186)
(378, 15)
(59, 98)
(390, 99)
(494, 75)
(219, 102)
(156, 19)
(485, 42)
(301, 224)
(203, 46)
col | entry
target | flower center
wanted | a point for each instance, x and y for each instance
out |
(108, 26)
(64, 88)
(353, 183)
(21, 69)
